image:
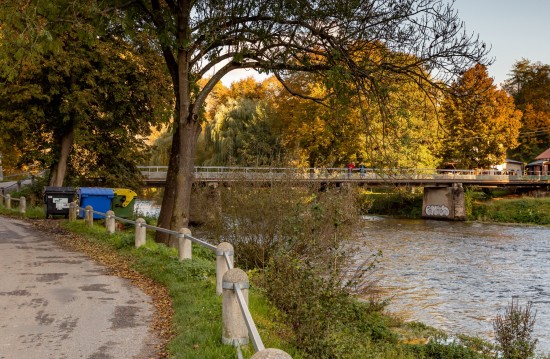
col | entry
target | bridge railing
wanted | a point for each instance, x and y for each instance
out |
(232, 283)
(274, 173)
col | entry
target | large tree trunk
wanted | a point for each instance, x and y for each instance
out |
(188, 134)
(167, 206)
(59, 169)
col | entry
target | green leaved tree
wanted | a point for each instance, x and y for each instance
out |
(83, 99)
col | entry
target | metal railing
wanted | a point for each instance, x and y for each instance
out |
(233, 291)
(221, 173)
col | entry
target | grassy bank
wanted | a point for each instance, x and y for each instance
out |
(526, 210)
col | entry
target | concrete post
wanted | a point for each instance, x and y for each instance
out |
(73, 209)
(221, 263)
(234, 329)
(22, 205)
(184, 245)
(110, 222)
(18, 186)
(271, 354)
(8, 201)
(140, 232)
(89, 216)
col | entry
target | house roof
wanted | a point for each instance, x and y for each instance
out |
(536, 163)
(544, 156)
(508, 160)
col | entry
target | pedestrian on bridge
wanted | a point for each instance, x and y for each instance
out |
(350, 167)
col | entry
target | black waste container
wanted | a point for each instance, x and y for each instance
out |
(57, 199)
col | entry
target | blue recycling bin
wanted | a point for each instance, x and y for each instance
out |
(99, 198)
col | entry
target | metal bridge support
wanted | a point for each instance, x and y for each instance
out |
(444, 203)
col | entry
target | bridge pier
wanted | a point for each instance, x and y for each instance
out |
(444, 203)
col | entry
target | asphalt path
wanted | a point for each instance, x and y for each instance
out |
(55, 303)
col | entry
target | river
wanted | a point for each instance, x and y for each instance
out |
(457, 276)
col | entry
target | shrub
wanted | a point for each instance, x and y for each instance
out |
(514, 331)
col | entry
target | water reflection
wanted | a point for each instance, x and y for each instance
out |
(457, 276)
(146, 208)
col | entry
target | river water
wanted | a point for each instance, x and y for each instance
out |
(457, 276)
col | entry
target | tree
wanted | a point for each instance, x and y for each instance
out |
(242, 130)
(89, 90)
(481, 121)
(529, 84)
(322, 136)
(210, 38)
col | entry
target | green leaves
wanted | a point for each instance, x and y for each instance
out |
(72, 77)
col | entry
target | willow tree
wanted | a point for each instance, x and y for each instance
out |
(210, 38)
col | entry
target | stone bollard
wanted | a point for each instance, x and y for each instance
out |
(8, 201)
(234, 329)
(184, 245)
(221, 263)
(140, 232)
(22, 205)
(73, 209)
(271, 354)
(89, 216)
(110, 221)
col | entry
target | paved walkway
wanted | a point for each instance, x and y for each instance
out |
(60, 304)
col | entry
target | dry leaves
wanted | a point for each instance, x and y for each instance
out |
(119, 265)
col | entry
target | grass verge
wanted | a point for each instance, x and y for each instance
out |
(195, 327)
(513, 210)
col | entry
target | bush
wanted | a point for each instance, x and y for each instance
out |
(514, 331)
(328, 322)
(263, 221)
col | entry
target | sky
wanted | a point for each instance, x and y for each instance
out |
(514, 29)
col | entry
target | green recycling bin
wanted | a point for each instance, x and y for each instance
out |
(123, 202)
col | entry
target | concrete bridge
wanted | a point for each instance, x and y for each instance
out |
(443, 189)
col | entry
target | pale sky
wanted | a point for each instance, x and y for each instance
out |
(514, 29)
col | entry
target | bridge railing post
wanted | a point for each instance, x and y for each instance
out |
(8, 201)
